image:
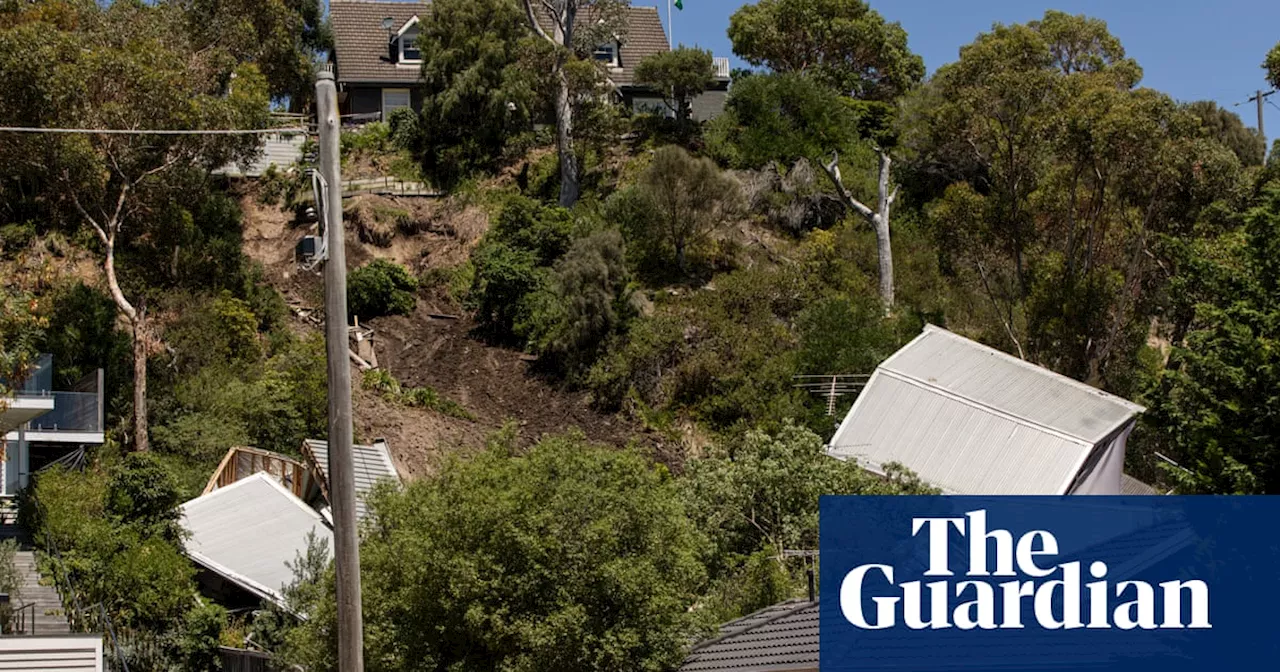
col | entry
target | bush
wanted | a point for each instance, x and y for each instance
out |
(381, 288)
(690, 199)
(384, 383)
(404, 128)
(570, 557)
(586, 300)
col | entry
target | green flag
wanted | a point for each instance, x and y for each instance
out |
(680, 5)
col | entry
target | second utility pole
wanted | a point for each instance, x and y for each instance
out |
(342, 486)
(1262, 131)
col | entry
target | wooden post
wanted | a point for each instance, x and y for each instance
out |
(341, 472)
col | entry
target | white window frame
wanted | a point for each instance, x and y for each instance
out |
(404, 30)
(386, 113)
(615, 51)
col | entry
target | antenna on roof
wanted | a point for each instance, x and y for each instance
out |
(831, 387)
(809, 562)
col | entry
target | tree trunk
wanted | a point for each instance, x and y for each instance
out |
(681, 260)
(879, 220)
(141, 437)
(564, 139)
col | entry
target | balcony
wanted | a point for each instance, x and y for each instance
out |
(50, 415)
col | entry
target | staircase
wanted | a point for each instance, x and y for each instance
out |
(49, 617)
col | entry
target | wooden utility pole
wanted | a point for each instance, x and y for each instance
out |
(1260, 97)
(342, 485)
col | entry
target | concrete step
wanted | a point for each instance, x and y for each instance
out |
(49, 618)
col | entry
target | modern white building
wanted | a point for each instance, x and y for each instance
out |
(972, 420)
(42, 425)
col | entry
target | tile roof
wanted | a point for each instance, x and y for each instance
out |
(974, 420)
(250, 531)
(372, 464)
(780, 638)
(360, 43)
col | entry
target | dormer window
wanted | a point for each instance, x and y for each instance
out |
(607, 54)
(404, 43)
(409, 52)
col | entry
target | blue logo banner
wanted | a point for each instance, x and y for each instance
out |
(1049, 583)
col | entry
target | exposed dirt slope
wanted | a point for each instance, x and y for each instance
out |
(492, 383)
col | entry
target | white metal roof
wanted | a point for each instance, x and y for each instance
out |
(974, 420)
(372, 464)
(249, 532)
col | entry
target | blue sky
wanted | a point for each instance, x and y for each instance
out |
(1192, 50)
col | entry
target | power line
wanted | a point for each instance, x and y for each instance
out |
(155, 131)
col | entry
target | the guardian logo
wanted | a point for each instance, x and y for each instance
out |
(1054, 595)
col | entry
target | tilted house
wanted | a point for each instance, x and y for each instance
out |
(972, 420)
(378, 61)
(245, 536)
(371, 465)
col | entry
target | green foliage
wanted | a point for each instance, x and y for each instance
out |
(380, 288)
(1226, 127)
(568, 557)
(679, 75)
(1214, 409)
(783, 118)
(142, 581)
(475, 100)
(584, 303)
(383, 382)
(142, 494)
(311, 643)
(513, 262)
(1272, 66)
(10, 584)
(843, 44)
(21, 327)
(689, 199)
(764, 489)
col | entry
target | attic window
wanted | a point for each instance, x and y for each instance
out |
(409, 52)
(607, 53)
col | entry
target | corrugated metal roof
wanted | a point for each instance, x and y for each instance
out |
(249, 532)
(1132, 486)
(780, 638)
(992, 378)
(974, 420)
(372, 464)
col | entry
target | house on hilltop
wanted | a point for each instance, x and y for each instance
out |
(972, 420)
(378, 62)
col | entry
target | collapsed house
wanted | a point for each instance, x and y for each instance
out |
(972, 420)
(258, 512)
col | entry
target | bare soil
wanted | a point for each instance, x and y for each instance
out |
(494, 383)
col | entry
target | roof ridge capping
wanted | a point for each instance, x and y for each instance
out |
(930, 328)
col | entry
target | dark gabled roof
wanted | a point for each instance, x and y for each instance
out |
(362, 53)
(360, 45)
(781, 638)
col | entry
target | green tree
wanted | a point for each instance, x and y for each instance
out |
(678, 76)
(21, 328)
(690, 199)
(1226, 127)
(474, 97)
(113, 184)
(556, 23)
(1215, 408)
(380, 288)
(784, 118)
(587, 300)
(844, 44)
(566, 557)
(1044, 154)
(1272, 66)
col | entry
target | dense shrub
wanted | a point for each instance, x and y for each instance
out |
(687, 199)
(585, 301)
(568, 557)
(381, 288)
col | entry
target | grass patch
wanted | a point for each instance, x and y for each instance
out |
(384, 383)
